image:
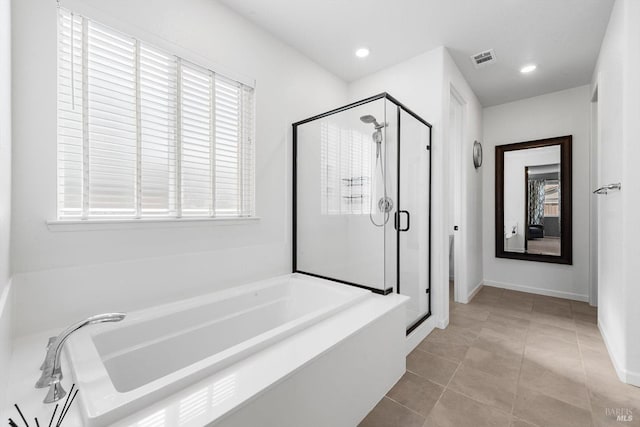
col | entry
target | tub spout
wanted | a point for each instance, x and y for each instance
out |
(52, 373)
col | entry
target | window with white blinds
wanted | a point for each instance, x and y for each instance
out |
(146, 134)
(345, 171)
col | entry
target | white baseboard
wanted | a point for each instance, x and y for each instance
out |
(443, 323)
(420, 333)
(633, 378)
(473, 292)
(624, 375)
(538, 291)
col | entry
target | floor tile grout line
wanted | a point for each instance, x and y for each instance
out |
(464, 316)
(586, 386)
(555, 398)
(523, 420)
(444, 389)
(475, 399)
(404, 406)
(515, 397)
(425, 378)
(560, 339)
(441, 357)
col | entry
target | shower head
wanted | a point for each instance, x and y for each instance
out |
(370, 119)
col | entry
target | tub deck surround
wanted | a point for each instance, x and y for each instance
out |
(156, 352)
(312, 317)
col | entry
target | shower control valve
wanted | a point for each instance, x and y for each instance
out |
(385, 204)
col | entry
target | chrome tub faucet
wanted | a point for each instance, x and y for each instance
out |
(51, 371)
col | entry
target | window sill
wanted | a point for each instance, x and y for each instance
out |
(128, 224)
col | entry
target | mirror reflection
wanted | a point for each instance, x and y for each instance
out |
(542, 235)
(532, 222)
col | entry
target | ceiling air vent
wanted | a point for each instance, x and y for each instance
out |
(483, 59)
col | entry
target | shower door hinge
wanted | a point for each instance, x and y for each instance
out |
(455, 228)
(427, 290)
(428, 147)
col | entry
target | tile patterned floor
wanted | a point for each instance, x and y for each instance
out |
(510, 359)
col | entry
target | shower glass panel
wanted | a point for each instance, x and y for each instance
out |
(414, 230)
(361, 207)
(340, 230)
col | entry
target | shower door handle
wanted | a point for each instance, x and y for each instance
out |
(398, 222)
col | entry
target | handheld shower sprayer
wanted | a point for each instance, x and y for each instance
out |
(370, 119)
(377, 135)
(385, 204)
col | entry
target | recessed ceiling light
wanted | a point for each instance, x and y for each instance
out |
(528, 68)
(363, 52)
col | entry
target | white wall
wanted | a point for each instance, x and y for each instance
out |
(560, 113)
(423, 84)
(616, 79)
(632, 198)
(64, 276)
(5, 188)
(5, 140)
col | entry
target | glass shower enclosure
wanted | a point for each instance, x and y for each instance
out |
(362, 200)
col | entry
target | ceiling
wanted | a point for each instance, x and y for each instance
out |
(562, 37)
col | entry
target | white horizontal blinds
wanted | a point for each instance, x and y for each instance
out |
(111, 121)
(196, 144)
(329, 164)
(143, 133)
(247, 154)
(359, 171)
(70, 154)
(346, 158)
(234, 148)
(158, 109)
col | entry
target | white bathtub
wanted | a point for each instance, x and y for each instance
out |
(122, 368)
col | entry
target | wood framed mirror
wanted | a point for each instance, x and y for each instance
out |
(533, 200)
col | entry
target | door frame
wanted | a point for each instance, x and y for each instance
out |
(594, 178)
(455, 201)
